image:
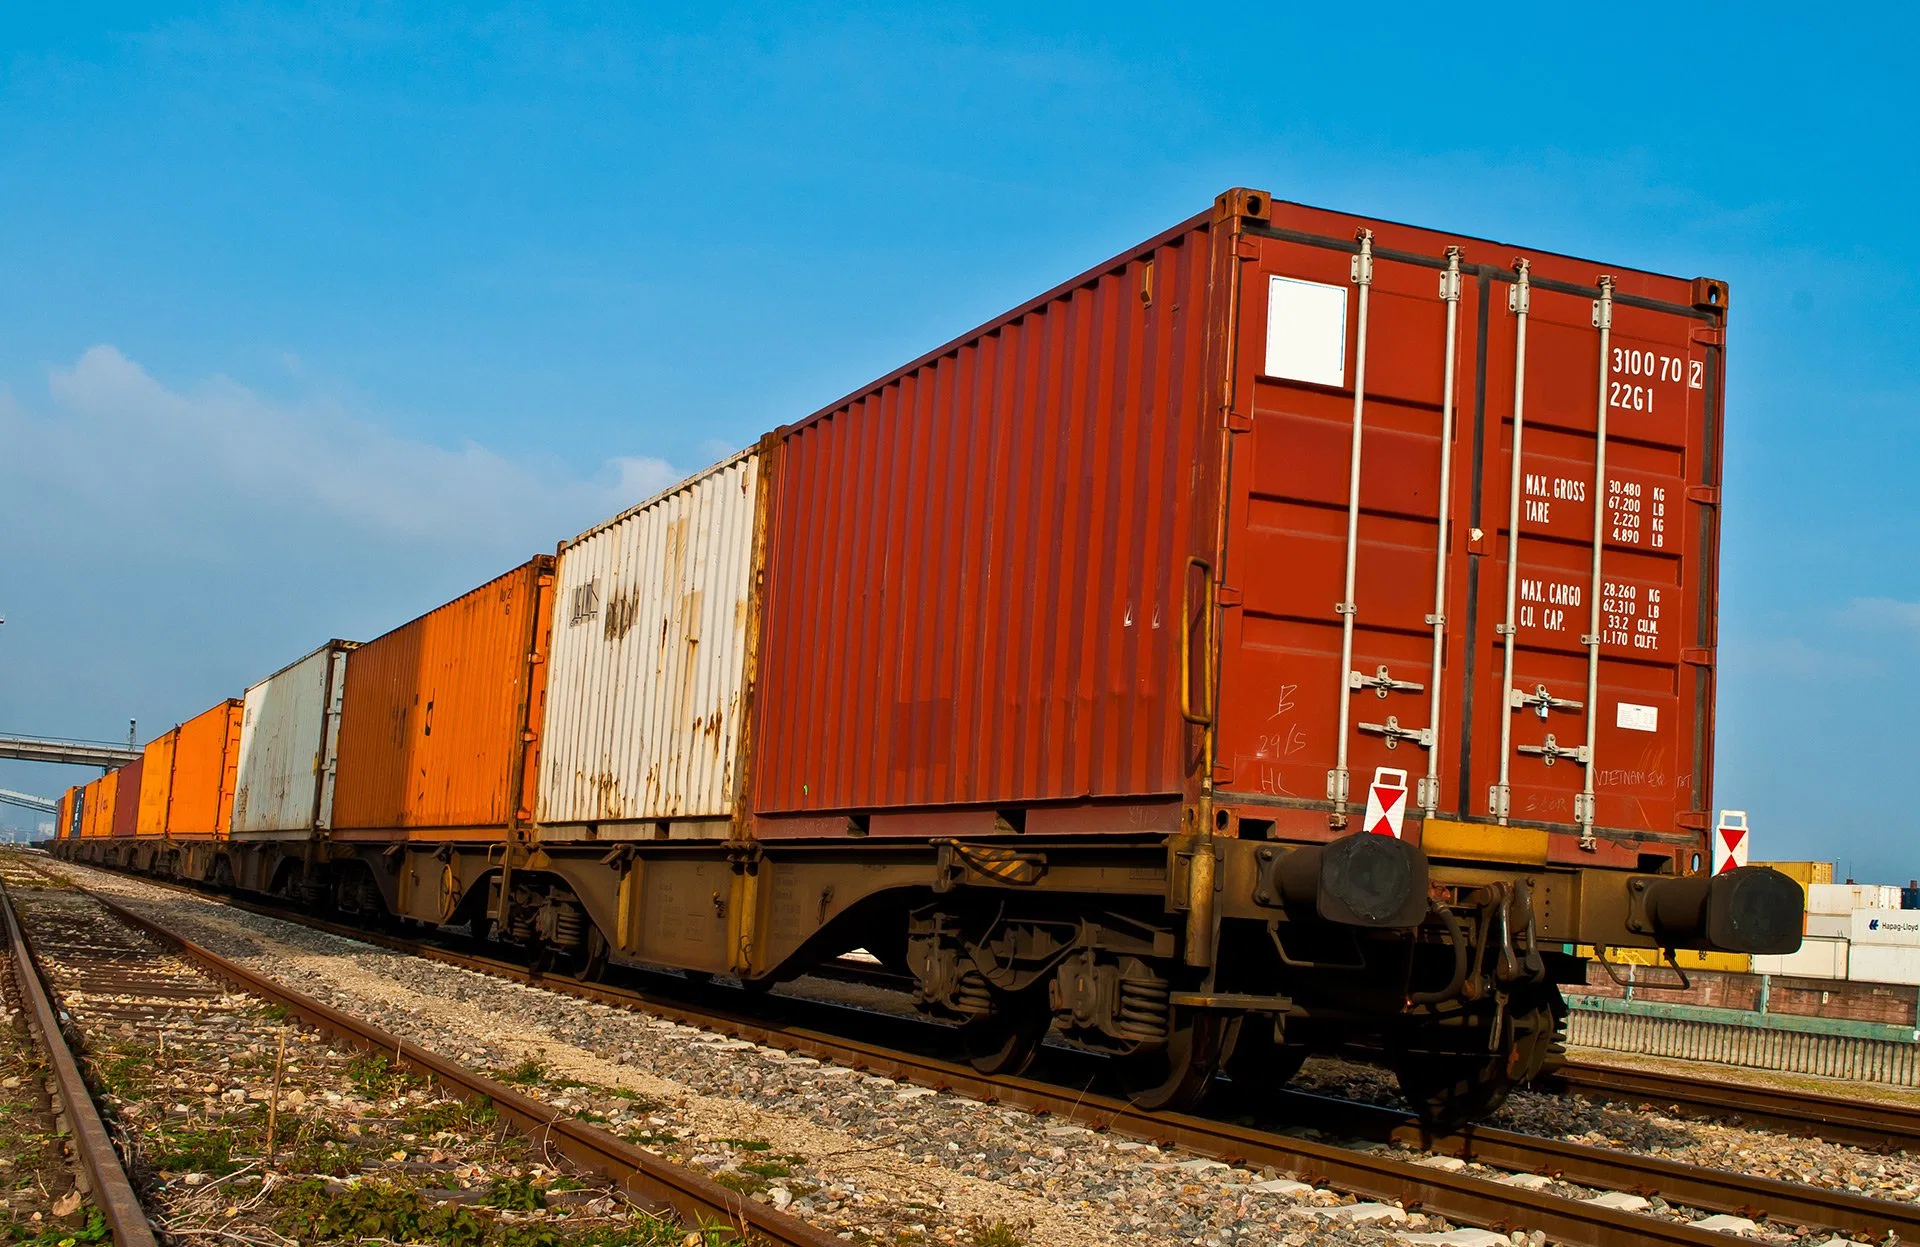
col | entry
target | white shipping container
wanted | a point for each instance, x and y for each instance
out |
(1819, 957)
(289, 737)
(1840, 925)
(1844, 898)
(1886, 926)
(1884, 963)
(646, 675)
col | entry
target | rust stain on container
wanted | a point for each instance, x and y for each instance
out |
(441, 717)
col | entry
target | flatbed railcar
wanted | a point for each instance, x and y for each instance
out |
(1287, 635)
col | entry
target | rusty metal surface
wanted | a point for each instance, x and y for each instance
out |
(975, 566)
(289, 738)
(111, 1191)
(695, 1197)
(440, 714)
(125, 803)
(1284, 540)
(646, 690)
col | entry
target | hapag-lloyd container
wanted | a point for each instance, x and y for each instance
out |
(1239, 513)
(648, 672)
(441, 717)
(289, 747)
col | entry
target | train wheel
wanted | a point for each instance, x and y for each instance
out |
(1179, 1075)
(1468, 1075)
(590, 965)
(1259, 1063)
(1007, 1040)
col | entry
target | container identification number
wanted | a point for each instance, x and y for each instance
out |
(1631, 362)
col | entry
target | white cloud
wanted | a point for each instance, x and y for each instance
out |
(1883, 614)
(219, 456)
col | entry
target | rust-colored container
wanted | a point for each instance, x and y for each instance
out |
(206, 752)
(1226, 520)
(440, 721)
(974, 565)
(128, 781)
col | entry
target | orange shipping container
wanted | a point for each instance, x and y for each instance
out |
(126, 797)
(206, 758)
(440, 724)
(63, 815)
(94, 798)
(156, 785)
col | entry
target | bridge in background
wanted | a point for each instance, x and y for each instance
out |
(104, 754)
(27, 801)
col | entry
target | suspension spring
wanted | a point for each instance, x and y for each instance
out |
(971, 995)
(1143, 1008)
(569, 926)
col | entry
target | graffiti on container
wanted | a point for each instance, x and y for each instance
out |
(1630, 777)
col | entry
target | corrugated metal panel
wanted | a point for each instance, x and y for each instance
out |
(645, 682)
(126, 797)
(205, 753)
(1792, 1052)
(975, 566)
(97, 814)
(156, 785)
(1287, 598)
(63, 817)
(441, 715)
(288, 737)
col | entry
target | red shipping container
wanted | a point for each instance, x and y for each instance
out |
(1117, 546)
(126, 797)
(440, 718)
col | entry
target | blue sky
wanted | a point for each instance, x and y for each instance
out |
(313, 316)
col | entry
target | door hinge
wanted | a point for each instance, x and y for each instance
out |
(1227, 595)
(1705, 495)
(1697, 656)
(1239, 422)
(1246, 249)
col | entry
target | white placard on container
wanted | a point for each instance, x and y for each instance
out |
(1306, 331)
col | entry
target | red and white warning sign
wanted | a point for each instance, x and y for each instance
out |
(1386, 802)
(1730, 841)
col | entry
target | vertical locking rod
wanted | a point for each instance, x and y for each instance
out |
(1519, 300)
(1449, 291)
(1337, 779)
(1603, 321)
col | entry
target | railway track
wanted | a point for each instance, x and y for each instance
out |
(113, 973)
(1519, 1196)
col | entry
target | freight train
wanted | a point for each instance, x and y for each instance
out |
(1295, 633)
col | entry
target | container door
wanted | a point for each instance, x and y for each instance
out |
(1602, 565)
(1351, 437)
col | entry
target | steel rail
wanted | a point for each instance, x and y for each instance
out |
(1459, 1197)
(107, 1182)
(657, 1181)
(1875, 1124)
(1710, 1190)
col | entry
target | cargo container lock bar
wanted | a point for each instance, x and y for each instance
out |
(1519, 302)
(1337, 779)
(1583, 804)
(1450, 292)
